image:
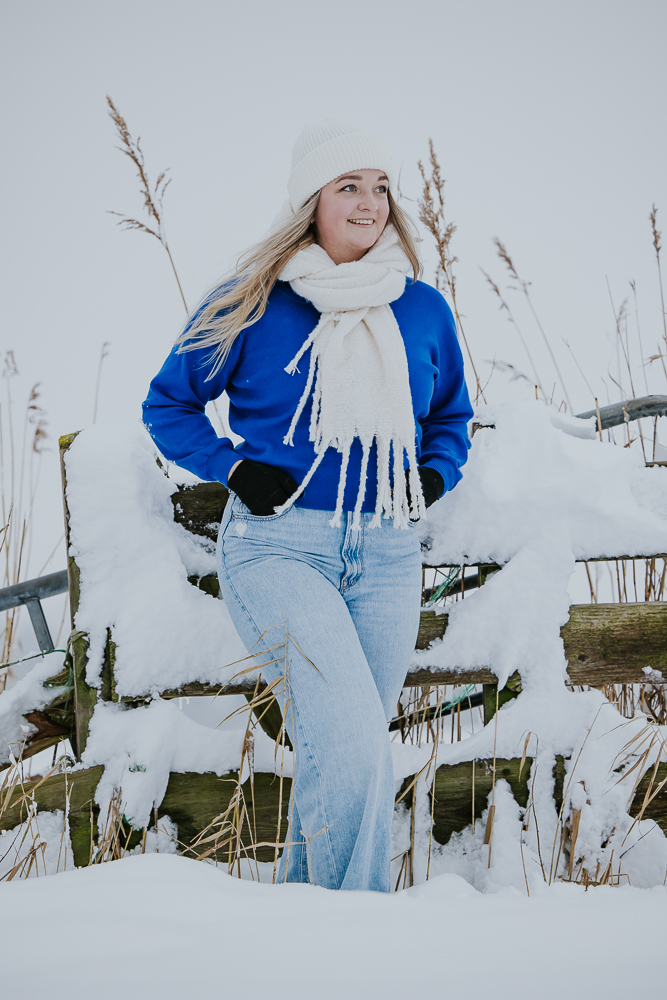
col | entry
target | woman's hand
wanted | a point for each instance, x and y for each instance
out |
(433, 485)
(261, 487)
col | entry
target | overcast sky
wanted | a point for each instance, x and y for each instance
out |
(548, 118)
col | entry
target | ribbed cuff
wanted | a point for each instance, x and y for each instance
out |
(220, 463)
(449, 472)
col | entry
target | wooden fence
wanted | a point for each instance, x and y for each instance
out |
(604, 644)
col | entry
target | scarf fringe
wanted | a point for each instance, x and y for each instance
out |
(358, 377)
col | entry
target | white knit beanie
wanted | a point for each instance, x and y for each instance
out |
(328, 149)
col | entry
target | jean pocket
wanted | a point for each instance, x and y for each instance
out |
(242, 513)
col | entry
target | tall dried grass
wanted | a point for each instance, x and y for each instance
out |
(28, 847)
(153, 194)
(21, 448)
(432, 216)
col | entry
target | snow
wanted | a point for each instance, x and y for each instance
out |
(171, 928)
(532, 472)
(535, 497)
(139, 748)
(134, 562)
(27, 695)
(540, 491)
(45, 828)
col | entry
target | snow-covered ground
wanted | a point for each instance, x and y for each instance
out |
(162, 926)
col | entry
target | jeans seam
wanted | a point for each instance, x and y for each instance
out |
(346, 586)
(327, 825)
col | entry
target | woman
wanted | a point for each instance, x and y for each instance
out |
(345, 380)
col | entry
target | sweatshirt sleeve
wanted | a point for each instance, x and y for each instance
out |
(445, 442)
(173, 412)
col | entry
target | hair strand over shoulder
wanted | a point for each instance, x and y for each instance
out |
(238, 303)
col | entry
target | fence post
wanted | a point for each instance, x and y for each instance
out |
(85, 697)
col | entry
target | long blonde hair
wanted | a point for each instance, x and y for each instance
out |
(238, 303)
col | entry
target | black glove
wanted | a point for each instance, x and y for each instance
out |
(261, 487)
(433, 485)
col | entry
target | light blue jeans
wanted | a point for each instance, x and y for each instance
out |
(346, 606)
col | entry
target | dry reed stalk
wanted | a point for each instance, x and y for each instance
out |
(431, 763)
(153, 196)
(594, 599)
(12, 782)
(523, 863)
(20, 463)
(531, 806)
(434, 760)
(66, 810)
(650, 737)
(556, 859)
(599, 418)
(523, 827)
(470, 709)
(524, 286)
(524, 753)
(432, 216)
(473, 795)
(224, 834)
(423, 703)
(574, 833)
(402, 870)
(281, 742)
(657, 246)
(504, 306)
(488, 832)
(411, 852)
(103, 354)
(288, 705)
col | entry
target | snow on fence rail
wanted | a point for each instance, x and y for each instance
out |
(631, 409)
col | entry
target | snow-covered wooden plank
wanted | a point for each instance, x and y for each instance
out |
(630, 409)
(604, 644)
(191, 800)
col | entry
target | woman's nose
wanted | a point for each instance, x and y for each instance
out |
(367, 201)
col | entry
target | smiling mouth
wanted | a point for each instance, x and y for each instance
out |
(362, 222)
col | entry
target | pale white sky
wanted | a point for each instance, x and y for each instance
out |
(548, 117)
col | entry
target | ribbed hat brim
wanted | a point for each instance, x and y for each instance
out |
(354, 151)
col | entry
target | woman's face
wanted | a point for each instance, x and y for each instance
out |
(351, 214)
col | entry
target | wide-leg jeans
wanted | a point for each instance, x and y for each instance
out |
(342, 608)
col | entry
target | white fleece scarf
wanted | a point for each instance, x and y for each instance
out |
(358, 373)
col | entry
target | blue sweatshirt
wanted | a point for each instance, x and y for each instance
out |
(263, 398)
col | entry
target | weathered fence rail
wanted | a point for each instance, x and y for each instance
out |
(604, 644)
(622, 413)
(193, 801)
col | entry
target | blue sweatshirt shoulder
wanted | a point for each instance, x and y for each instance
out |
(426, 305)
(262, 398)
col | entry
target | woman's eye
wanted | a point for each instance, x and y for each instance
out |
(382, 188)
(348, 187)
